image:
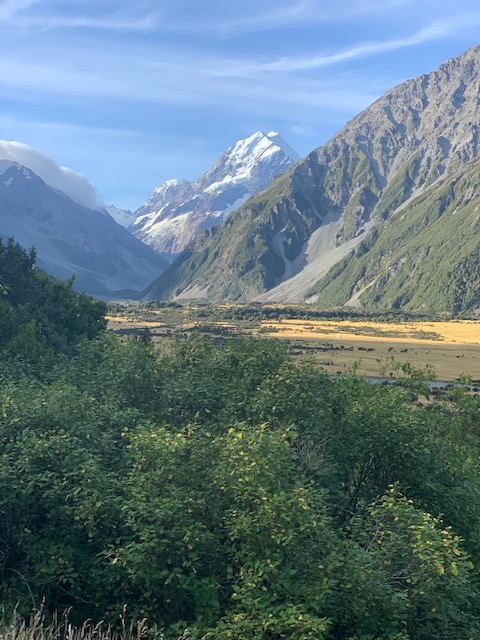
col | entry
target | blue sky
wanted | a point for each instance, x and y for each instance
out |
(133, 93)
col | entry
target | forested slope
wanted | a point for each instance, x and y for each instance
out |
(38, 312)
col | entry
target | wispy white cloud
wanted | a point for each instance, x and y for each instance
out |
(435, 30)
(449, 25)
(111, 22)
(10, 8)
(233, 19)
(119, 16)
(269, 15)
(188, 83)
(273, 17)
(52, 127)
(302, 129)
(365, 7)
(264, 15)
(157, 75)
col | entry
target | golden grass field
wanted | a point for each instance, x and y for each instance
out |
(451, 348)
(453, 332)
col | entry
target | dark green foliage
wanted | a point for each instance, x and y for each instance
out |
(227, 489)
(39, 314)
(399, 188)
(258, 312)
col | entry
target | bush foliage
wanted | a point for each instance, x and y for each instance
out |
(228, 490)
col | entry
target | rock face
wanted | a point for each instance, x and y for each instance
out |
(71, 239)
(335, 206)
(178, 210)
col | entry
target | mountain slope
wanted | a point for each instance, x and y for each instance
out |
(290, 236)
(70, 238)
(178, 210)
(425, 256)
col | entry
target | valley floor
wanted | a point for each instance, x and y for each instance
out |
(452, 348)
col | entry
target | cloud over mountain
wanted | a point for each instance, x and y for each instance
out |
(70, 182)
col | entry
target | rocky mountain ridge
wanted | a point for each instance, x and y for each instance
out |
(338, 201)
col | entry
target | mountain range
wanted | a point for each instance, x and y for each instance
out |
(72, 239)
(385, 214)
(94, 244)
(178, 210)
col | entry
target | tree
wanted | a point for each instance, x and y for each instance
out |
(47, 310)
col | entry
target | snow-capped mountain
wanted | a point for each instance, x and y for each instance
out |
(72, 239)
(177, 210)
(123, 217)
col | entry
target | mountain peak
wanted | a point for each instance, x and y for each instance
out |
(14, 169)
(6, 164)
(257, 145)
(123, 217)
(472, 52)
(177, 210)
(241, 162)
(277, 139)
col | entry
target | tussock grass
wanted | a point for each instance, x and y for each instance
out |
(453, 332)
(58, 627)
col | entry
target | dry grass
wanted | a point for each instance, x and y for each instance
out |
(449, 361)
(41, 627)
(114, 321)
(454, 332)
(451, 348)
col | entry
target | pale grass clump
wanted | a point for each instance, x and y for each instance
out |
(39, 627)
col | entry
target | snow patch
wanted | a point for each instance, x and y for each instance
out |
(228, 181)
(123, 217)
(170, 185)
(164, 232)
